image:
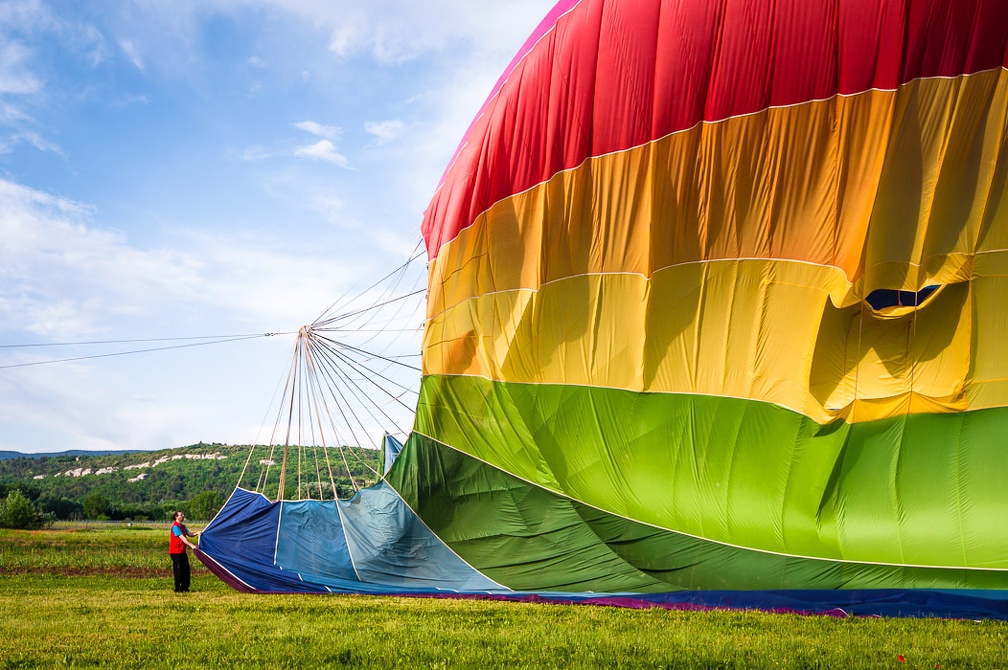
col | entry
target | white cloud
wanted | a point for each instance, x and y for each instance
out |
(253, 154)
(14, 76)
(329, 132)
(255, 61)
(61, 276)
(345, 40)
(39, 142)
(330, 207)
(130, 100)
(132, 52)
(323, 150)
(92, 44)
(394, 32)
(385, 131)
(256, 284)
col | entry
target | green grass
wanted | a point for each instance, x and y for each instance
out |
(103, 598)
(137, 551)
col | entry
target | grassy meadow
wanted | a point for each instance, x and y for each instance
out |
(102, 597)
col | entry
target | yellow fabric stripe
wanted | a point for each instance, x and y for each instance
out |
(897, 189)
(758, 329)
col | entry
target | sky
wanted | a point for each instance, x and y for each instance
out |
(173, 169)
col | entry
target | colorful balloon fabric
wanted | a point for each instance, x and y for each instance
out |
(717, 310)
(651, 265)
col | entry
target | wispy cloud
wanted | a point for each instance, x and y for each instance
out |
(345, 40)
(132, 52)
(330, 207)
(61, 276)
(14, 76)
(385, 131)
(255, 154)
(392, 32)
(39, 142)
(323, 150)
(329, 132)
(18, 85)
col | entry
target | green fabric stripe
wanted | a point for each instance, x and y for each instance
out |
(530, 539)
(925, 490)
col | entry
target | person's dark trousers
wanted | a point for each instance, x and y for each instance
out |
(180, 568)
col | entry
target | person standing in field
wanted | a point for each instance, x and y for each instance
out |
(177, 543)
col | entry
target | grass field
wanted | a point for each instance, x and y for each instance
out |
(103, 598)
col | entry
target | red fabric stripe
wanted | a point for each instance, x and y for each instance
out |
(544, 27)
(611, 75)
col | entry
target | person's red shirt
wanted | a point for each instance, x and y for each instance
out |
(175, 543)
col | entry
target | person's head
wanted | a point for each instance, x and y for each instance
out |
(178, 516)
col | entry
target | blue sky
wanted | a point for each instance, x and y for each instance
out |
(191, 169)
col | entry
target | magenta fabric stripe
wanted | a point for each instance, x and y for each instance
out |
(608, 75)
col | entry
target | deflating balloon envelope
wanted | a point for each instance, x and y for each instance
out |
(715, 316)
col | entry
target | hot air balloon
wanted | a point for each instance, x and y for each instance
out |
(715, 316)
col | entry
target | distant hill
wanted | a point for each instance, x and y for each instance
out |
(142, 484)
(72, 452)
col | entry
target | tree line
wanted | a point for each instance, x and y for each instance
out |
(37, 491)
(18, 510)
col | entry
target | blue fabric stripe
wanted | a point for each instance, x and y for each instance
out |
(397, 555)
(305, 549)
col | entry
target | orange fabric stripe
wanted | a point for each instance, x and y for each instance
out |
(893, 188)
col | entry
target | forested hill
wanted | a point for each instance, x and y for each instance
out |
(149, 484)
(4, 455)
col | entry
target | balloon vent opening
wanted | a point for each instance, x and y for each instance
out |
(889, 300)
